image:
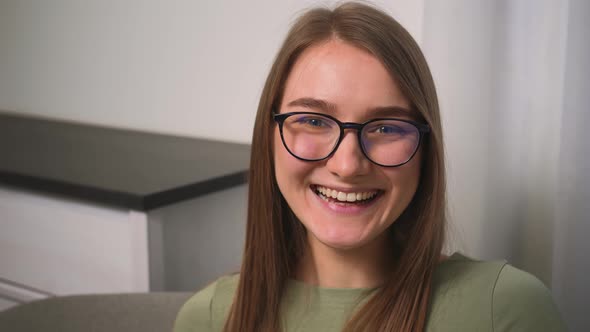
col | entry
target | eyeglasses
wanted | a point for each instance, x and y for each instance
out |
(386, 142)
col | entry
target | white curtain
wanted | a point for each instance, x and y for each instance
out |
(514, 85)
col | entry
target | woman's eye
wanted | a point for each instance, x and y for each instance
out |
(389, 130)
(313, 122)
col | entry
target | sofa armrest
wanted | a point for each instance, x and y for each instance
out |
(135, 312)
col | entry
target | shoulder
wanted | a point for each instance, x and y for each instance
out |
(207, 309)
(522, 301)
(490, 296)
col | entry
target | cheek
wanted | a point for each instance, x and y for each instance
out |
(281, 160)
(291, 173)
(410, 174)
(404, 182)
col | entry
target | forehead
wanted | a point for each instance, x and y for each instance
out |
(344, 75)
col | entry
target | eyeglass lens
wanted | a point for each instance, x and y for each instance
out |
(385, 142)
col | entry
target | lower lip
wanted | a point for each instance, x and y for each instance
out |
(345, 208)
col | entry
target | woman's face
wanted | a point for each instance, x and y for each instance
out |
(357, 88)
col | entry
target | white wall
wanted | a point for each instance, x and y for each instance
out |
(175, 66)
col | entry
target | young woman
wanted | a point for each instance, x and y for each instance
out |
(346, 210)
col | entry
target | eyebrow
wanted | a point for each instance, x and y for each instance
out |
(312, 103)
(327, 107)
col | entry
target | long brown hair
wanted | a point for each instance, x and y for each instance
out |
(275, 238)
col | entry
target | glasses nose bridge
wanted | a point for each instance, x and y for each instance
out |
(349, 125)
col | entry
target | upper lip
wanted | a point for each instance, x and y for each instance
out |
(347, 189)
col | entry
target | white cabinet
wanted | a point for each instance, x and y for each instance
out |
(132, 211)
(52, 245)
(195, 241)
(61, 246)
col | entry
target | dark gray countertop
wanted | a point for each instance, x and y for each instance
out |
(122, 168)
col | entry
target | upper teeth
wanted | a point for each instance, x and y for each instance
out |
(346, 197)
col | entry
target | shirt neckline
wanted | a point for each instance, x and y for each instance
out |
(333, 291)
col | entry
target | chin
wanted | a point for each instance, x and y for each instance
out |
(340, 240)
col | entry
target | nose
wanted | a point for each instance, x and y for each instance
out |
(348, 161)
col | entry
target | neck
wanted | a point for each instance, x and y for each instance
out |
(364, 267)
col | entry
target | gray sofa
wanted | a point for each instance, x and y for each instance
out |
(145, 312)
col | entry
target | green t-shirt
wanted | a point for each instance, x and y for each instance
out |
(468, 295)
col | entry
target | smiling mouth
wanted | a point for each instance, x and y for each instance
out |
(339, 197)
